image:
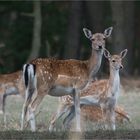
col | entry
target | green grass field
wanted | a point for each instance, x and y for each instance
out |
(129, 99)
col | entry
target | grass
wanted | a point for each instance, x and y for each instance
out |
(130, 100)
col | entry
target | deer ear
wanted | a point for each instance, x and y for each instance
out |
(108, 32)
(123, 53)
(87, 33)
(107, 54)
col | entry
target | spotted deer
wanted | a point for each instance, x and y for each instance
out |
(10, 84)
(104, 94)
(89, 112)
(40, 77)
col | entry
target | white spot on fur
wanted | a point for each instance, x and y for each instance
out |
(50, 75)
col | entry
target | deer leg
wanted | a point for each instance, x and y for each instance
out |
(61, 110)
(112, 119)
(111, 109)
(106, 118)
(24, 110)
(73, 111)
(8, 92)
(32, 119)
(87, 100)
(62, 91)
(23, 113)
(69, 117)
(28, 99)
(2, 110)
(76, 98)
(1, 104)
(110, 113)
(32, 108)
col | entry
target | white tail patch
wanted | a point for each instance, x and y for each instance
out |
(29, 77)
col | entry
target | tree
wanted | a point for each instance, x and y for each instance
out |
(36, 44)
(122, 16)
(72, 46)
(94, 15)
(137, 42)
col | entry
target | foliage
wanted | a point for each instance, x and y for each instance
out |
(16, 29)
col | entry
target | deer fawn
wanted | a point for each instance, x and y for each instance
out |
(41, 77)
(90, 112)
(104, 95)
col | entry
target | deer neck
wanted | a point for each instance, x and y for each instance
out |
(114, 82)
(95, 62)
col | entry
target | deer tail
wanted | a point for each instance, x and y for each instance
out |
(123, 114)
(29, 78)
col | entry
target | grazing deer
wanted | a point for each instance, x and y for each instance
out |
(41, 75)
(104, 94)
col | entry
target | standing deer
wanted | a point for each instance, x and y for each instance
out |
(104, 94)
(10, 84)
(40, 77)
(90, 112)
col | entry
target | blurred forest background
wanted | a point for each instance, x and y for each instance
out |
(31, 29)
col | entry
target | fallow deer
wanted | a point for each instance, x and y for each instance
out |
(41, 75)
(10, 84)
(104, 94)
(93, 113)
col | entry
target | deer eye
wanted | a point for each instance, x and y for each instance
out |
(104, 38)
(92, 39)
(113, 61)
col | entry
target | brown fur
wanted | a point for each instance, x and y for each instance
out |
(91, 112)
(49, 70)
(9, 82)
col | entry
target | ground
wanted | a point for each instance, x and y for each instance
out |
(129, 99)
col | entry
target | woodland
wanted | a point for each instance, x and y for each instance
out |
(32, 29)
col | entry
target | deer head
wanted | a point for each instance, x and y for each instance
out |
(98, 39)
(115, 61)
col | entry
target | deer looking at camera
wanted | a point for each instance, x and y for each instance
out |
(104, 94)
(40, 77)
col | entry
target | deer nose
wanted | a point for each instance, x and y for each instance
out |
(100, 47)
(121, 66)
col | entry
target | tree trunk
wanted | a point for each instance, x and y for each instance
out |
(122, 16)
(129, 34)
(72, 47)
(95, 15)
(36, 44)
(137, 42)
